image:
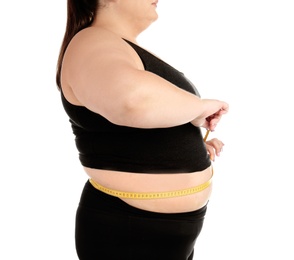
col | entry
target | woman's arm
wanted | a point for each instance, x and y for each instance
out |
(107, 79)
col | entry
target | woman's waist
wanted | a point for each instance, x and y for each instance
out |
(148, 182)
(175, 192)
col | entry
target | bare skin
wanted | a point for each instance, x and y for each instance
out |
(93, 66)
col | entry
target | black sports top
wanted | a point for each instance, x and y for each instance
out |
(104, 145)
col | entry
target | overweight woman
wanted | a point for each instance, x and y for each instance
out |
(137, 125)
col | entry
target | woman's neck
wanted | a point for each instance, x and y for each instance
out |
(119, 25)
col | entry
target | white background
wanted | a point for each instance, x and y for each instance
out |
(238, 51)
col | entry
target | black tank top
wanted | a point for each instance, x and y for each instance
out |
(104, 145)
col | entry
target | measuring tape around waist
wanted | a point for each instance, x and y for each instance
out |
(151, 195)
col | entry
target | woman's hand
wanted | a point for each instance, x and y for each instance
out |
(212, 120)
(212, 114)
(214, 147)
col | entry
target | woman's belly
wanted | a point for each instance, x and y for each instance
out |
(138, 182)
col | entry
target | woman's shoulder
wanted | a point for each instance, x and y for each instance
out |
(98, 42)
(105, 44)
(97, 39)
(99, 51)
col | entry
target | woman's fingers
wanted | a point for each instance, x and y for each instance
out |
(214, 147)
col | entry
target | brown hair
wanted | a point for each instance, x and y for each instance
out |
(80, 14)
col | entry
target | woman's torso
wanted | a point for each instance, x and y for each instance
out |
(147, 182)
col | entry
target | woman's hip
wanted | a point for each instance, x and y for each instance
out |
(106, 226)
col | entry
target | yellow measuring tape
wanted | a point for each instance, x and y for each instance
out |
(153, 195)
(206, 135)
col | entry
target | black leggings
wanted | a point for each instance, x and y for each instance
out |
(108, 228)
